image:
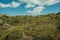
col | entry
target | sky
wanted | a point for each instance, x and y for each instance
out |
(29, 7)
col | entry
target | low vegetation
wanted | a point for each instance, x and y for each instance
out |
(41, 27)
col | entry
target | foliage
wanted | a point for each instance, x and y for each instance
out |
(41, 27)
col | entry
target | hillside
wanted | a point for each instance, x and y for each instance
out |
(41, 27)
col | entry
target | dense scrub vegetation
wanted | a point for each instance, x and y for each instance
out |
(43, 27)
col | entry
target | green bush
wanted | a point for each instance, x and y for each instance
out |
(14, 35)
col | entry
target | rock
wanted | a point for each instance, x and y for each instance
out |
(5, 25)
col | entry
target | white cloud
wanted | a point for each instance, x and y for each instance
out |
(40, 1)
(37, 10)
(13, 4)
(29, 5)
(51, 2)
(41, 4)
(30, 1)
(29, 11)
(4, 5)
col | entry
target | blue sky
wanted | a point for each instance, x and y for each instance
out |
(29, 7)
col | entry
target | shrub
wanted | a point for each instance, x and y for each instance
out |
(14, 35)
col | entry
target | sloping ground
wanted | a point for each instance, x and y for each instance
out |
(45, 27)
(8, 30)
